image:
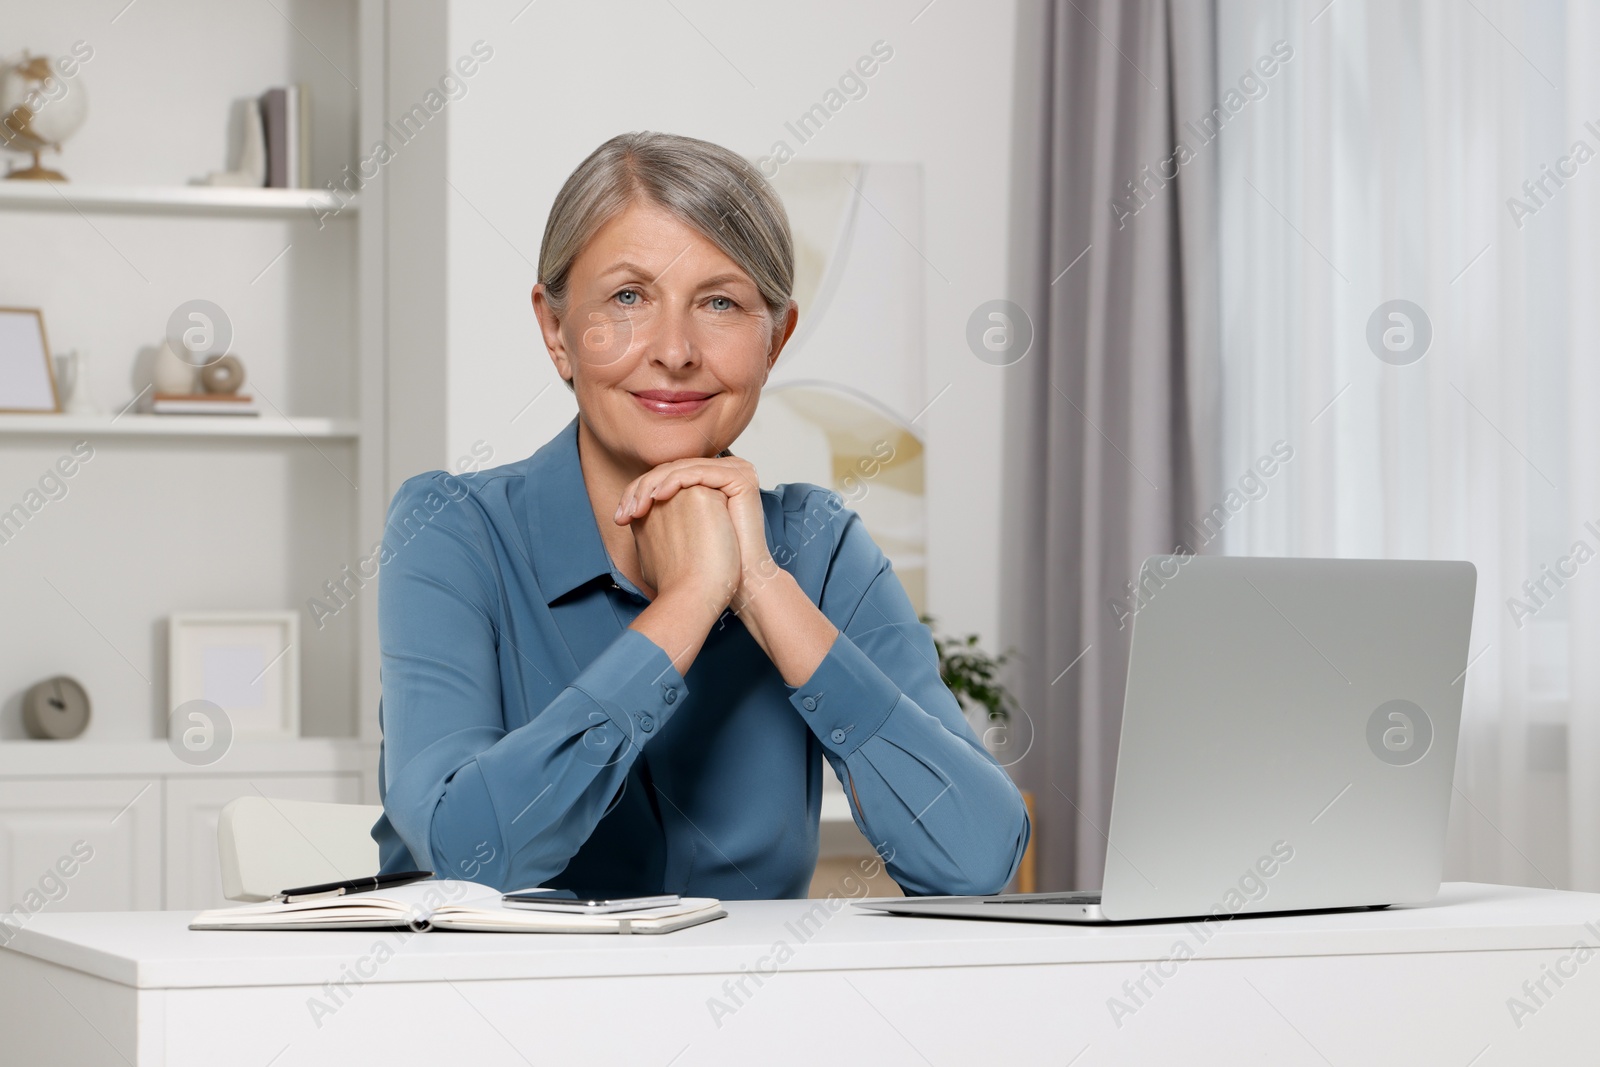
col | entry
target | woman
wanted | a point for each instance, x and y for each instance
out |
(617, 665)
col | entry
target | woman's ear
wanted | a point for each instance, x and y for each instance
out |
(781, 333)
(550, 329)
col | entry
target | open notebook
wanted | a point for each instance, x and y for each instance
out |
(449, 904)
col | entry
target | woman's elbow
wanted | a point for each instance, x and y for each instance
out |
(464, 838)
(998, 865)
(988, 862)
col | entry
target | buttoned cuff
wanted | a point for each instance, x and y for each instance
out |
(847, 698)
(635, 686)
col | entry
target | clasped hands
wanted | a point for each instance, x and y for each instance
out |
(698, 526)
(701, 534)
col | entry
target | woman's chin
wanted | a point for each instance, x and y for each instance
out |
(676, 438)
(664, 444)
(654, 457)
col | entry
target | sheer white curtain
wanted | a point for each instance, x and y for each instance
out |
(1387, 160)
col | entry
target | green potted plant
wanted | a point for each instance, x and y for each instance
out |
(972, 674)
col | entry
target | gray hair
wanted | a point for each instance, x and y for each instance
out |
(713, 190)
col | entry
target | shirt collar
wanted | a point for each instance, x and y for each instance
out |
(567, 550)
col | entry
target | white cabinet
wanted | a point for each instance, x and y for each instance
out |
(194, 879)
(147, 823)
(79, 844)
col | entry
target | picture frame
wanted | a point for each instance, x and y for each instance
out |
(245, 662)
(27, 374)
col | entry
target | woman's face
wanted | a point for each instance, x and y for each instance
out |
(666, 340)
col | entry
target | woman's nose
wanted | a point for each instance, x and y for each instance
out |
(671, 343)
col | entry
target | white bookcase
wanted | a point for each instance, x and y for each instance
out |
(181, 513)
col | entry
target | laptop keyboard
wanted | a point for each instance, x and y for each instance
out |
(1063, 898)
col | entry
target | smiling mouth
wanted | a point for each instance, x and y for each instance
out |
(672, 401)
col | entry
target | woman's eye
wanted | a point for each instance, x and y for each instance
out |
(729, 304)
(627, 293)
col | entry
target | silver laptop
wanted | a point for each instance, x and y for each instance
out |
(1288, 743)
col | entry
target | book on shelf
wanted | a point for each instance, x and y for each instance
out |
(286, 117)
(202, 404)
(450, 904)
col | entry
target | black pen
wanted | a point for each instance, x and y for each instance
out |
(355, 885)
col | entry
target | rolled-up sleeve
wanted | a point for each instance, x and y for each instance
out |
(506, 807)
(940, 810)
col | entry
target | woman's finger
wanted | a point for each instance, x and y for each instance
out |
(664, 481)
(654, 488)
(640, 488)
(624, 504)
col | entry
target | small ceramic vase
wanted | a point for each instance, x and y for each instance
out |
(170, 373)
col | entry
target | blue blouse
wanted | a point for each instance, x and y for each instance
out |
(530, 738)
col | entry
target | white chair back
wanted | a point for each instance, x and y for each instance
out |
(271, 845)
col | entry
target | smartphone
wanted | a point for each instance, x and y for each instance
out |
(566, 900)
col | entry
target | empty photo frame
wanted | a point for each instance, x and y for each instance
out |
(27, 380)
(245, 662)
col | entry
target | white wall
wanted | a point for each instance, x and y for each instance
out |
(564, 77)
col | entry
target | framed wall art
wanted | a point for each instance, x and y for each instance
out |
(245, 662)
(27, 377)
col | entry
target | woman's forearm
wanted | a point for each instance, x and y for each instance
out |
(512, 807)
(678, 620)
(791, 630)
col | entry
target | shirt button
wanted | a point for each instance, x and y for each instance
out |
(646, 723)
(838, 737)
(809, 703)
(671, 694)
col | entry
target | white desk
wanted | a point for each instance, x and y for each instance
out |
(1413, 986)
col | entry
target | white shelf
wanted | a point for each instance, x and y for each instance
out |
(139, 425)
(305, 755)
(171, 200)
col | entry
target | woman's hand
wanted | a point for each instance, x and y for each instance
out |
(790, 628)
(688, 545)
(735, 479)
(689, 566)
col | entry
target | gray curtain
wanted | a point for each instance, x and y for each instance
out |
(1112, 432)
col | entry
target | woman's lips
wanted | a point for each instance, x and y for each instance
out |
(669, 402)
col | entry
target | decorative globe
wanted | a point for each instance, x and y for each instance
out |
(39, 109)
